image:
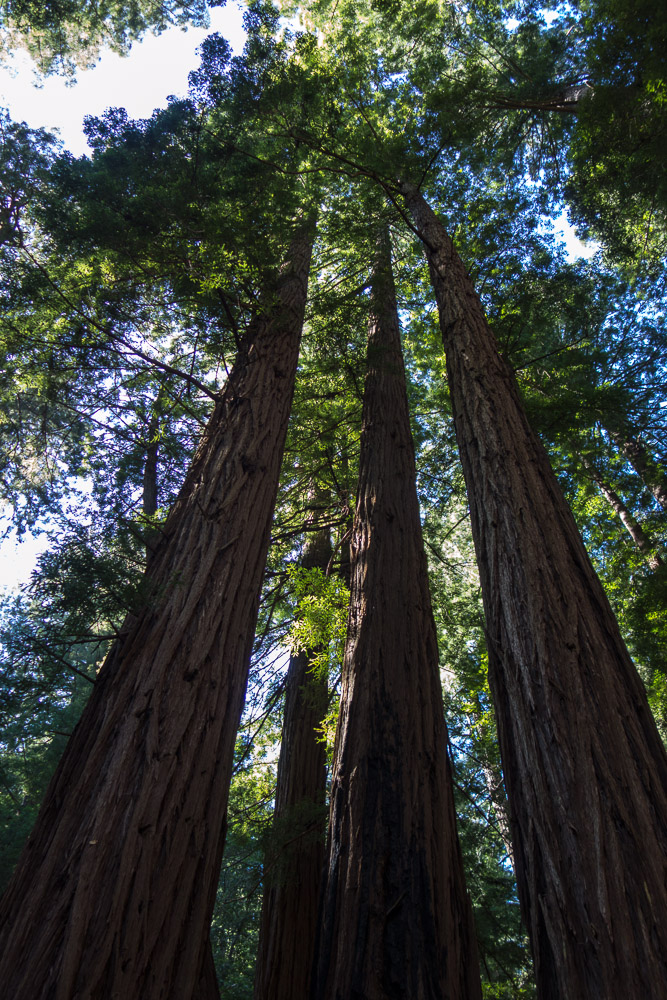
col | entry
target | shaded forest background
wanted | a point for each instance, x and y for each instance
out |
(129, 279)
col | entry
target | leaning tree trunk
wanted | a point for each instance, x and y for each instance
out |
(114, 892)
(629, 522)
(585, 769)
(149, 498)
(637, 454)
(494, 780)
(294, 862)
(396, 918)
(150, 485)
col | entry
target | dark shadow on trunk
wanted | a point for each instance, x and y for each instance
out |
(123, 863)
(396, 918)
(585, 769)
(293, 865)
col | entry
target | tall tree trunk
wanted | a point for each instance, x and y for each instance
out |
(149, 491)
(294, 863)
(207, 985)
(637, 454)
(630, 523)
(493, 779)
(114, 892)
(149, 498)
(495, 787)
(396, 918)
(585, 769)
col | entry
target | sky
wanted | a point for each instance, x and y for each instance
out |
(141, 82)
(156, 68)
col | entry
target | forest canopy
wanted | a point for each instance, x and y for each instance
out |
(351, 626)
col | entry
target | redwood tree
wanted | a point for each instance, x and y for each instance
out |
(396, 918)
(585, 768)
(293, 865)
(113, 894)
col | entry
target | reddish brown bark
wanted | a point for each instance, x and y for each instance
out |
(112, 897)
(585, 770)
(294, 862)
(396, 919)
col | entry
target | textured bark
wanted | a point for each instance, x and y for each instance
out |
(207, 987)
(585, 770)
(637, 454)
(113, 895)
(396, 919)
(294, 863)
(630, 523)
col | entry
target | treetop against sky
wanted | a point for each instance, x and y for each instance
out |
(192, 297)
(139, 81)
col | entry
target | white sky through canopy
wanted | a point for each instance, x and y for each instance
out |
(156, 67)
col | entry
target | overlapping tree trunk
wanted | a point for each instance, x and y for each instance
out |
(396, 918)
(294, 862)
(113, 895)
(637, 454)
(585, 769)
(642, 541)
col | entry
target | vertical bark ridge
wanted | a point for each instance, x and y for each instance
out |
(585, 768)
(396, 918)
(114, 892)
(292, 881)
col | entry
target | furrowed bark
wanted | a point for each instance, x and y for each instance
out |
(585, 770)
(294, 863)
(113, 895)
(396, 918)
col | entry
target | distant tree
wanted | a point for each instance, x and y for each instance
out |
(294, 859)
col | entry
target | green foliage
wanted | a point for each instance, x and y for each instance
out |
(69, 34)
(319, 628)
(618, 187)
(235, 925)
(320, 617)
(609, 56)
(127, 282)
(481, 806)
(43, 688)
